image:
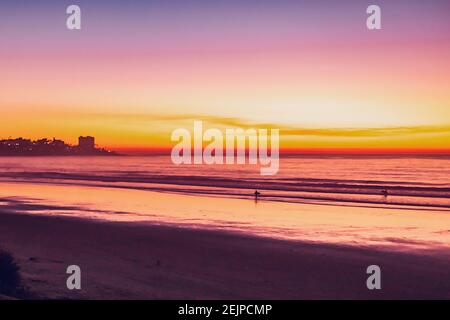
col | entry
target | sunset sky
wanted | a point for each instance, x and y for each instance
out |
(139, 69)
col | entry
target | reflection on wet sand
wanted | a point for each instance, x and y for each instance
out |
(396, 228)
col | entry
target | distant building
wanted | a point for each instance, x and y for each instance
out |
(86, 143)
(58, 143)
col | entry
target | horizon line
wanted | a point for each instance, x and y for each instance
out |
(305, 151)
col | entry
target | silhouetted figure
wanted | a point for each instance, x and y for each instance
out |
(385, 193)
(257, 194)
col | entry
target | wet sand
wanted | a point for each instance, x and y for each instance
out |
(399, 228)
(123, 260)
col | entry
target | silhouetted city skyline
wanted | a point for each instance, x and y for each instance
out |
(55, 147)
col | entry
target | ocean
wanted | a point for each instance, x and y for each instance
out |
(408, 180)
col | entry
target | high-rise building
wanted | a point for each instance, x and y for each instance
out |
(86, 143)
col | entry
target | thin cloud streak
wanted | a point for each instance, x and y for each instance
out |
(285, 130)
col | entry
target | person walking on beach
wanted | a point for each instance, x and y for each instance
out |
(385, 193)
(257, 194)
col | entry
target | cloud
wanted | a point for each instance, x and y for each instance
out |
(368, 132)
(285, 130)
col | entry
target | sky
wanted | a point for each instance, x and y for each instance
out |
(139, 69)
